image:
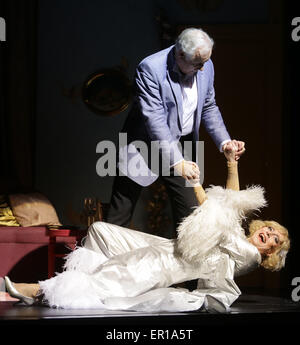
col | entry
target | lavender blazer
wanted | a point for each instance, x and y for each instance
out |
(156, 114)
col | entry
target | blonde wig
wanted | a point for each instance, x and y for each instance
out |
(276, 260)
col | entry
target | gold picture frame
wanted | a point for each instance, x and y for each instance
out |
(107, 92)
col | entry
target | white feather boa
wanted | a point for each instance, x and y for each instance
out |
(221, 213)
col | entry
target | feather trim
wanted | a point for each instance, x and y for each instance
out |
(219, 215)
(83, 260)
(72, 290)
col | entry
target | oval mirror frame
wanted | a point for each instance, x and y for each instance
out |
(107, 92)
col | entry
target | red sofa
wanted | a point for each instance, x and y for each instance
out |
(24, 252)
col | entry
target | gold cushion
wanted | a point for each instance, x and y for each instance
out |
(33, 209)
(6, 215)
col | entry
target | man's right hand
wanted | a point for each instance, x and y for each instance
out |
(188, 170)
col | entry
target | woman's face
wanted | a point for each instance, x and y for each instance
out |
(266, 239)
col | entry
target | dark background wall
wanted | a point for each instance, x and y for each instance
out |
(49, 137)
(74, 40)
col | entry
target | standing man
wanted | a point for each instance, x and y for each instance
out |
(174, 94)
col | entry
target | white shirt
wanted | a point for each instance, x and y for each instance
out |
(189, 94)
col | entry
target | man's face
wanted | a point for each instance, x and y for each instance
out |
(191, 67)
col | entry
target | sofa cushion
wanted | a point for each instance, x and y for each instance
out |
(6, 215)
(33, 209)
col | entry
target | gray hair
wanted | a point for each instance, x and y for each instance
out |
(190, 40)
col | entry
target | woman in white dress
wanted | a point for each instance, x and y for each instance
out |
(123, 269)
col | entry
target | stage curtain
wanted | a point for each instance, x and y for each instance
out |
(17, 94)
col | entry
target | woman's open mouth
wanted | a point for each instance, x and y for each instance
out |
(262, 237)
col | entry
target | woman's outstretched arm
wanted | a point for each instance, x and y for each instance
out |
(200, 194)
(232, 181)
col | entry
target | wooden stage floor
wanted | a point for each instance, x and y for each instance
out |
(248, 308)
(247, 311)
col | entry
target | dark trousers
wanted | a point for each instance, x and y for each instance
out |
(126, 192)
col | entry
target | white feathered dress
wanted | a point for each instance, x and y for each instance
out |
(123, 269)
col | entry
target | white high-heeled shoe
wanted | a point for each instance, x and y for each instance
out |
(13, 292)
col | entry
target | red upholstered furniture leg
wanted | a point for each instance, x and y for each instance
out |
(53, 234)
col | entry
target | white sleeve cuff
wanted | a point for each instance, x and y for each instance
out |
(172, 166)
(223, 143)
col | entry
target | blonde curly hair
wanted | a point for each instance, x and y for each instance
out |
(276, 260)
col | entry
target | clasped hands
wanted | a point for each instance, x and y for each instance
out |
(190, 171)
(233, 150)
